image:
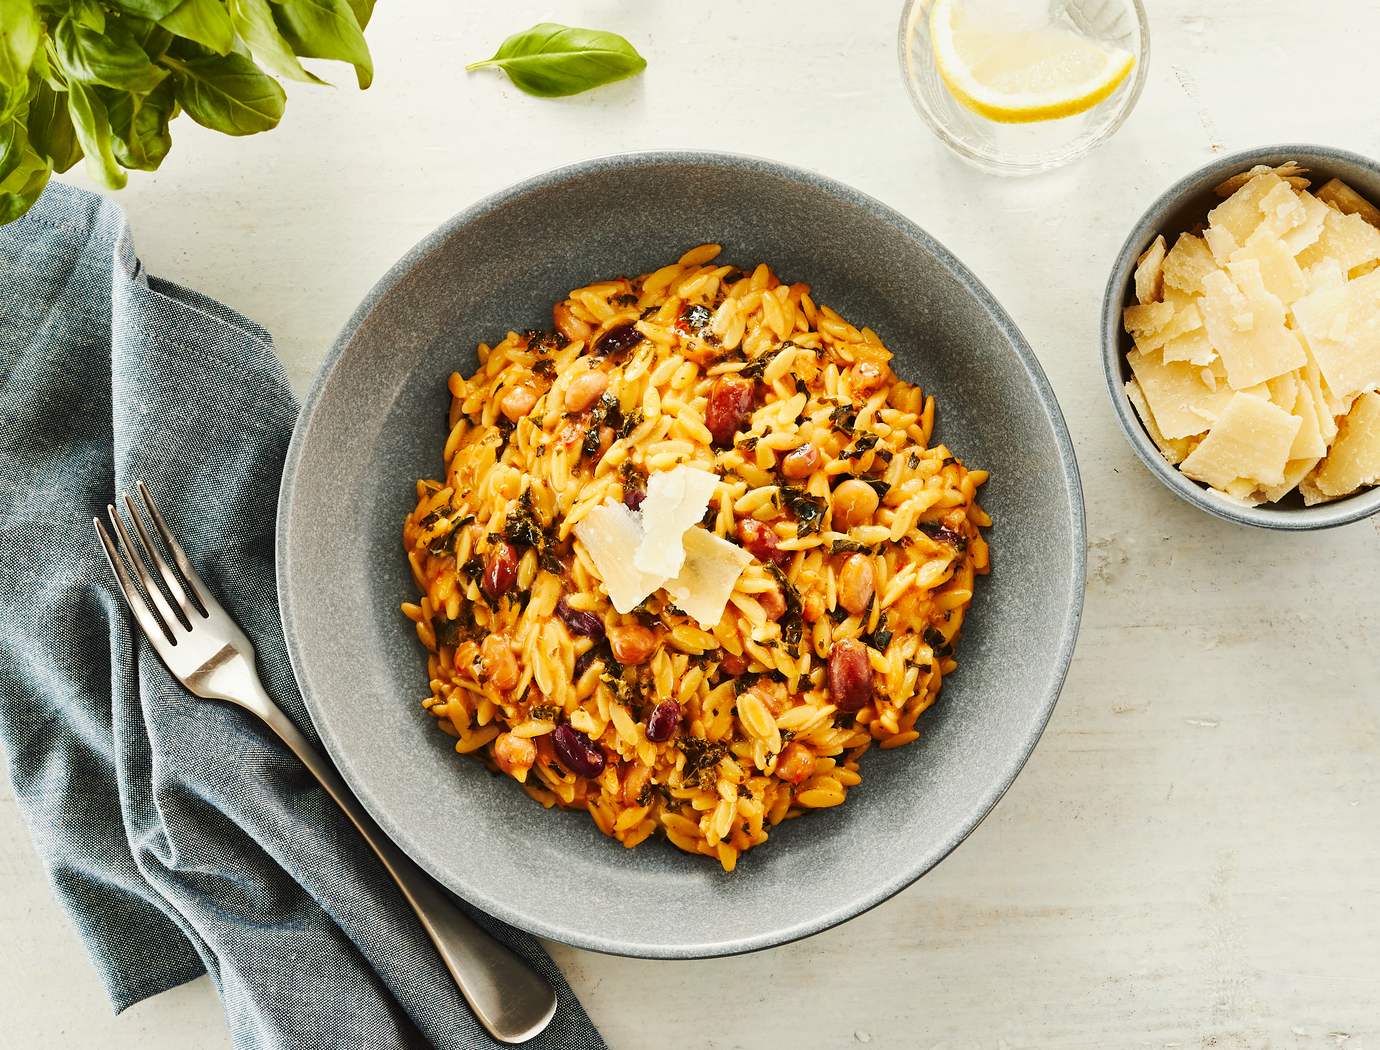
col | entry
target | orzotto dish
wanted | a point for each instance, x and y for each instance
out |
(691, 556)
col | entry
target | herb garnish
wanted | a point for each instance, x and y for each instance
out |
(551, 60)
(808, 510)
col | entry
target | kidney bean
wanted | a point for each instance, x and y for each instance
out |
(500, 570)
(577, 752)
(759, 540)
(579, 621)
(663, 721)
(850, 675)
(857, 582)
(730, 405)
(773, 603)
(732, 665)
(633, 495)
(618, 340)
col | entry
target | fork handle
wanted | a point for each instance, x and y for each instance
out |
(510, 1000)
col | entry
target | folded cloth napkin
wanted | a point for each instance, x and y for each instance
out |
(180, 834)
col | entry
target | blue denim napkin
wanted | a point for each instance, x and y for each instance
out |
(180, 835)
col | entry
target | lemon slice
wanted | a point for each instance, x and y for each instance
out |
(1019, 76)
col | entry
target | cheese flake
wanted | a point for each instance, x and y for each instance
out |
(676, 499)
(1150, 272)
(1254, 353)
(1172, 449)
(1250, 441)
(609, 532)
(707, 578)
(1182, 403)
(1347, 238)
(1354, 459)
(1279, 273)
(1240, 214)
(1188, 262)
(1342, 326)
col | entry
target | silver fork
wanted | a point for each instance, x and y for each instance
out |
(208, 653)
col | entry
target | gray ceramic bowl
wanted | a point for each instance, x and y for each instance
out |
(1183, 205)
(375, 420)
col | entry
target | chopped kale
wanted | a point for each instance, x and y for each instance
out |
(631, 422)
(626, 299)
(749, 444)
(808, 510)
(944, 534)
(844, 418)
(545, 368)
(792, 621)
(846, 546)
(758, 365)
(544, 712)
(862, 444)
(912, 461)
(694, 318)
(936, 641)
(880, 487)
(880, 638)
(700, 755)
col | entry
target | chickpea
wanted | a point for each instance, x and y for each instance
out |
(631, 644)
(773, 603)
(584, 390)
(857, 582)
(514, 755)
(796, 763)
(854, 504)
(867, 376)
(518, 401)
(569, 325)
(812, 608)
(497, 663)
(800, 462)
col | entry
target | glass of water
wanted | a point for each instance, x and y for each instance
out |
(1027, 148)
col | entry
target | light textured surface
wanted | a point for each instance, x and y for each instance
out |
(1191, 856)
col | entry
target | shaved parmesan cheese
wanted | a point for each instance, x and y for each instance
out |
(1251, 440)
(1310, 227)
(1174, 450)
(609, 532)
(1193, 347)
(1240, 214)
(1150, 272)
(1347, 238)
(711, 570)
(1279, 273)
(1342, 326)
(1308, 442)
(1354, 460)
(1183, 405)
(1187, 263)
(1246, 325)
(676, 499)
(1294, 473)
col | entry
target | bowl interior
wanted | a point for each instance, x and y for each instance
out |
(1182, 207)
(376, 421)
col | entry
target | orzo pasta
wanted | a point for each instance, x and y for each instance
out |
(864, 539)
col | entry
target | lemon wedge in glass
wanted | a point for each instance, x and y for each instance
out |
(1022, 75)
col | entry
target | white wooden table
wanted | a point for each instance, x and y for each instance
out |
(1192, 856)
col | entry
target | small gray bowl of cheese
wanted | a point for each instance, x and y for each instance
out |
(1241, 337)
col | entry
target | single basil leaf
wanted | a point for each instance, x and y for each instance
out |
(150, 36)
(326, 29)
(552, 60)
(364, 10)
(21, 187)
(228, 93)
(253, 20)
(205, 21)
(50, 128)
(20, 34)
(139, 124)
(93, 132)
(13, 144)
(112, 58)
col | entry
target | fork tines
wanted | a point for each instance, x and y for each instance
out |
(164, 610)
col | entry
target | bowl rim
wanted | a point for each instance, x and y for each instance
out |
(1344, 511)
(1042, 709)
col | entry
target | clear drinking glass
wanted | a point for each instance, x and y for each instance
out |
(1026, 149)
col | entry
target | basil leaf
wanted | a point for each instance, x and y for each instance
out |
(50, 128)
(22, 185)
(326, 29)
(228, 93)
(551, 60)
(92, 126)
(111, 58)
(20, 33)
(253, 20)
(139, 124)
(364, 10)
(205, 21)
